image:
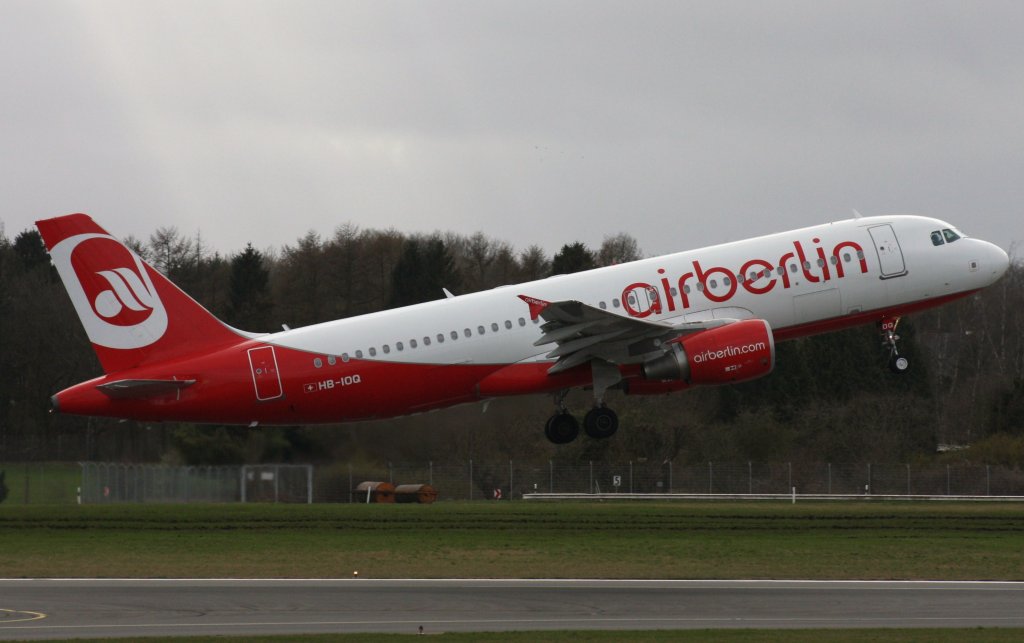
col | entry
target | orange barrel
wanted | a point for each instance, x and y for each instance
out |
(374, 492)
(421, 493)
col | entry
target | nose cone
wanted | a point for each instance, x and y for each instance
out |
(997, 261)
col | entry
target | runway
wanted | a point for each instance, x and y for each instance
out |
(62, 608)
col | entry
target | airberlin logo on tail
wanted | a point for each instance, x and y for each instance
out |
(111, 291)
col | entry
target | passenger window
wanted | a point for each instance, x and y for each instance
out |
(950, 235)
(792, 267)
(615, 303)
(386, 348)
(603, 306)
(494, 327)
(846, 257)
(344, 357)
(440, 338)
(632, 300)
(467, 332)
(480, 329)
(807, 265)
(686, 289)
(455, 335)
(726, 282)
(317, 362)
(714, 283)
(522, 322)
(700, 287)
(359, 354)
(675, 293)
(412, 343)
(373, 352)
(860, 255)
(937, 238)
(833, 259)
(426, 341)
(398, 345)
(781, 270)
(508, 324)
(821, 262)
(331, 360)
(767, 273)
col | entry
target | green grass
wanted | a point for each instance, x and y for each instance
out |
(686, 636)
(518, 540)
(41, 483)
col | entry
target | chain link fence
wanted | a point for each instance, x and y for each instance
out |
(113, 483)
(474, 480)
(96, 483)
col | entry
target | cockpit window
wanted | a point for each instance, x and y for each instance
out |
(950, 235)
(937, 238)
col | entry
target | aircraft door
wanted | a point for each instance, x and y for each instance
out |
(890, 256)
(642, 300)
(265, 376)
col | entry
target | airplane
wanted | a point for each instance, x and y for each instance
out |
(702, 317)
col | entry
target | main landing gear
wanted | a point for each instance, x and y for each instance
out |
(599, 423)
(897, 363)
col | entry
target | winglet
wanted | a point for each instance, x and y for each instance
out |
(537, 306)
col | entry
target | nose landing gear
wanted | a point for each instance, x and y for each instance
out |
(897, 363)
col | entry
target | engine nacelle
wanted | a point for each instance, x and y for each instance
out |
(737, 352)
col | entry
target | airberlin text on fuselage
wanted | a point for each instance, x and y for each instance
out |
(756, 276)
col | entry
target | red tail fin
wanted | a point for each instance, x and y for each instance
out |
(132, 314)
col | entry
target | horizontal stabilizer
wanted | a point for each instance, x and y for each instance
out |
(127, 389)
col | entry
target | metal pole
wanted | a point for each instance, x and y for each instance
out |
(631, 476)
(868, 487)
(670, 476)
(947, 481)
(471, 478)
(591, 487)
(789, 468)
(350, 490)
(988, 480)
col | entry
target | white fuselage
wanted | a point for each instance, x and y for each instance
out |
(896, 265)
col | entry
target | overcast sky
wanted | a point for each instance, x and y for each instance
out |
(545, 122)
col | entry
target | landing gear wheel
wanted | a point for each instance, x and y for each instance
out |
(601, 422)
(899, 364)
(562, 428)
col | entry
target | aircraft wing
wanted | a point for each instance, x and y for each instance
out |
(584, 333)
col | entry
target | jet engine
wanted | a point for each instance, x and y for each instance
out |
(736, 352)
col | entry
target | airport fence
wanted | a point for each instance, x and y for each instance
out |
(97, 482)
(474, 480)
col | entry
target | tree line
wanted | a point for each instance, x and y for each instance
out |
(830, 399)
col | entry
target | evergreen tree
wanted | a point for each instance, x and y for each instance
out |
(573, 257)
(249, 303)
(30, 250)
(423, 270)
